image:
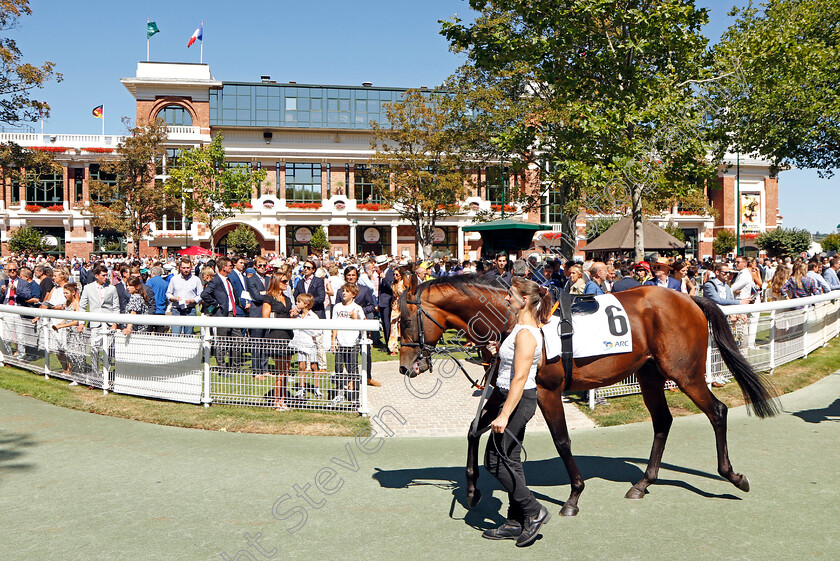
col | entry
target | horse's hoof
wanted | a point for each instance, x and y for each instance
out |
(634, 494)
(473, 499)
(744, 485)
(569, 510)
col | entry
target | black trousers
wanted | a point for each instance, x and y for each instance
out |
(385, 317)
(510, 473)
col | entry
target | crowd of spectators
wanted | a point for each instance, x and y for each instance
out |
(316, 287)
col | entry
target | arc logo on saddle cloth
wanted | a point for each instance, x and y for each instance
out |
(604, 332)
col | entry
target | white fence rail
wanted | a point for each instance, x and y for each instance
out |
(243, 367)
(768, 335)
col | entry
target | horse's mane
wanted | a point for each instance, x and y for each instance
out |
(462, 283)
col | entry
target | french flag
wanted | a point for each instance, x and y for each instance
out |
(196, 35)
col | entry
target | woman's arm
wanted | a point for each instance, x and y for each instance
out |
(523, 358)
(266, 310)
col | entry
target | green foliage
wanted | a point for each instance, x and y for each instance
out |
(606, 90)
(725, 241)
(831, 242)
(418, 152)
(18, 79)
(319, 241)
(212, 190)
(598, 226)
(675, 231)
(787, 57)
(13, 158)
(243, 241)
(26, 240)
(134, 200)
(784, 242)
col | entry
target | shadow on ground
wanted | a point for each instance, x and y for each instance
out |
(539, 473)
(12, 448)
(830, 413)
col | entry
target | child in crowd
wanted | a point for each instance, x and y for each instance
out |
(345, 344)
(306, 342)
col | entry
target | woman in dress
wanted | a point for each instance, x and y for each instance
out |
(680, 273)
(404, 280)
(775, 290)
(57, 301)
(277, 304)
(138, 303)
(74, 342)
(516, 384)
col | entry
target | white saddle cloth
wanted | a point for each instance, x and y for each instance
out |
(605, 332)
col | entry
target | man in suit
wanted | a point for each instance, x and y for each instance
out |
(598, 279)
(98, 297)
(661, 278)
(219, 300)
(14, 292)
(314, 286)
(256, 286)
(386, 294)
(366, 300)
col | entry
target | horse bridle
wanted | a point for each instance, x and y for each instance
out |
(426, 350)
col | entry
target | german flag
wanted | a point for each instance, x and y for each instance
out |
(99, 111)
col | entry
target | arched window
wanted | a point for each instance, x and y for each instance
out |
(175, 115)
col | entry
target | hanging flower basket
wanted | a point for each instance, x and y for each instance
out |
(304, 206)
(33, 208)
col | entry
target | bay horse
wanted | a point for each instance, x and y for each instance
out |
(670, 333)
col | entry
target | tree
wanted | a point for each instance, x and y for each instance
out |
(319, 242)
(675, 231)
(18, 79)
(26, 240)
(243, 241)
(592, 94)
(831, 242)
(418, 151)
(724, 243)
(598, 226)
(211, 189)
(789, 109)
(131, 203)
(784, 242)
(24, 164)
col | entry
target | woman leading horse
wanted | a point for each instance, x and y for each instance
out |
(670, 334)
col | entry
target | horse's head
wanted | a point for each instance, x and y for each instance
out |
(421, 326)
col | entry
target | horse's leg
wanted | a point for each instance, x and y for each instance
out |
(652, 384)
(716, 411)
(487, 415)
(551, 405)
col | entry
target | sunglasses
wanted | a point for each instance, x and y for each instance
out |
(284, 281)
(308, 267)
(261, 266)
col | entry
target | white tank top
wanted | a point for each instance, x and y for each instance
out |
(506, 352)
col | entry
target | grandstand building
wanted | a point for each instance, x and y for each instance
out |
(313, 141)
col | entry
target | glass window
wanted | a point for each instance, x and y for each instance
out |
(96, 174)
(303, 183)
(175, 115)
(496, 182)
(46, 189)
(363, 182)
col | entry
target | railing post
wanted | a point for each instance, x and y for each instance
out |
(772, 341)
(709, 377)
(106, 356)
(205, 344)
(45, 336)
(823, 323)
(364, 344)
(591, 396)
(805, 333)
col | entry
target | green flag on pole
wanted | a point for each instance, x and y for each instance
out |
(151, 29)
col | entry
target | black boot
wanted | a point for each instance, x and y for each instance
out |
(532, 526)
(510, 530)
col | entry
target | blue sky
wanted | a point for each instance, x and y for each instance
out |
(390, 43)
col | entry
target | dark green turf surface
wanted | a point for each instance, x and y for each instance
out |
(80, 486)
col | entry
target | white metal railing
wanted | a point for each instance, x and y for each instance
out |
(205, 366)
(66, 140)
(768, 335)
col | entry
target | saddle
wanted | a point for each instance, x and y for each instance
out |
(568, 305)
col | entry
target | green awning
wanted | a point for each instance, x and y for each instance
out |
(506, 224)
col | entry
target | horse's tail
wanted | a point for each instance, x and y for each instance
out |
(757, 392)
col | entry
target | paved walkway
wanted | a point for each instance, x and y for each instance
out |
(442, 403)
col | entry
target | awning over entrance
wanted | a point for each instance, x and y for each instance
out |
(505, 235)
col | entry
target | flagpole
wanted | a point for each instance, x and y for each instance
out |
(103, 124)
(201, 57)
(147, 39)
